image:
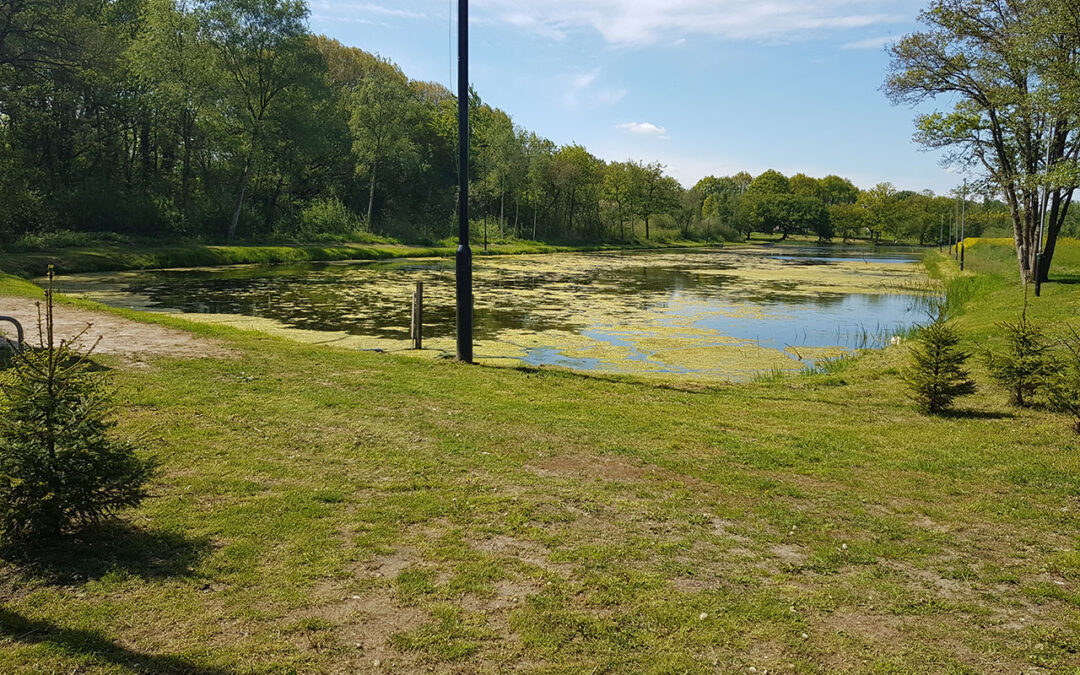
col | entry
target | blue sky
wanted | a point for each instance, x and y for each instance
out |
(704, 86)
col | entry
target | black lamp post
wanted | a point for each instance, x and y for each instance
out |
(464, 252)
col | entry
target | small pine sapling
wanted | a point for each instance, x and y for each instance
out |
(936, 375)
(1026, 364)
(60, 468)
(1064, 388)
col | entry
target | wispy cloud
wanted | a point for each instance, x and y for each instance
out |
(355, 10)
(641, 22)
(644, 129)
(584, 92)
(872, 43)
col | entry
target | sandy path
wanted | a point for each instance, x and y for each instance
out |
(119, 336)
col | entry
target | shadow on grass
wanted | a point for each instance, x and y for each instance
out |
(111, 548)
(26, 631)
(1065, 279)
(975, 415)
(557, 372)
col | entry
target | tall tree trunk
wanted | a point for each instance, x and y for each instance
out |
(240, 199)
(646, 228)
(371, 194)
(1058, 210)
(274, 196)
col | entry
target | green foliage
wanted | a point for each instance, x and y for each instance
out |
(328, 217)
(848, 220)
(879, 206)
(1071, 227)
(59, 466)
(1026, 363)
(52, 240)
(936, 374)
(1064, 386)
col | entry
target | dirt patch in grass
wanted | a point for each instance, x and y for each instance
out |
(788, 554)
(862, 626)
(528, 552)
(508, 596)
(361, 627)
(596, 468)
(929, 580)
(606, 468)
(119, 337)
(390, 565)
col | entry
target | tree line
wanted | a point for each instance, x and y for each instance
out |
(218, 119)
(833, 207)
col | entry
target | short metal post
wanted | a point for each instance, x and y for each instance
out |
(417, 331)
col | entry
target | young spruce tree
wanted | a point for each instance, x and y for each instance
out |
(936, 375)
(1064, 387)
(59, 466)
(1026, 364)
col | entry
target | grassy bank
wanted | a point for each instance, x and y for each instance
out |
(115, 258)
(136, 257)
(320, 510)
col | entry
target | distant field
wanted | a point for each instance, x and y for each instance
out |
(322, 510)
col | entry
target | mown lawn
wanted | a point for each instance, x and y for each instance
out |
(329, 511)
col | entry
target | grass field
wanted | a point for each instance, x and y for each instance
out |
(319, 510)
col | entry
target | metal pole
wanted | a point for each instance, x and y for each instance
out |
(941, 233)
(464, 252)
(963, 214)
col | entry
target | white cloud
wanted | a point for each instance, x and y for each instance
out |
(872, 43)
(644, 129)
(640, 22)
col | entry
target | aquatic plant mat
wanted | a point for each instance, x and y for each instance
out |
(713, 315)
(322, 510)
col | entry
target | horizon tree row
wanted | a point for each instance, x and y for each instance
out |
(219, 119)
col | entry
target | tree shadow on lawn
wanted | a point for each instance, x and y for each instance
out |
(975, 415)
(113, 547)
(71, 641)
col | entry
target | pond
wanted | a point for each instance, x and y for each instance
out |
(710, 313)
